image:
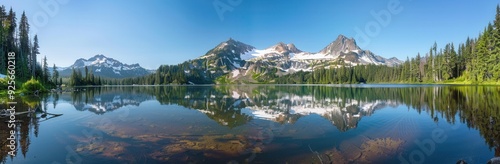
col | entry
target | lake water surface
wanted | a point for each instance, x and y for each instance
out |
(259, 124)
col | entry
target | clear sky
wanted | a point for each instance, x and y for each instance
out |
(156, 32)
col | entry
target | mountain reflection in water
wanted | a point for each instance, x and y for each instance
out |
(260, 123)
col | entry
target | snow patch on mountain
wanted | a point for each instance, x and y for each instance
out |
(235, 73)
(309, 56)
(251, 54)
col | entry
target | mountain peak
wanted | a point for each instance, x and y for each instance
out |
(282, 47)
(341, 44)
(231, 43)
(100, 55)
(292, 48)
(228, 52)
(230, 40)
(341, 37)
(348, 43)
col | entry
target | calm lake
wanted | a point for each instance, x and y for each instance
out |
(259, 124)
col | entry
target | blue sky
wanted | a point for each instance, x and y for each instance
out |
(157, 32)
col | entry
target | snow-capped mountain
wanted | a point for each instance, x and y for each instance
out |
(342, 49)
(103, 66)
(227, 55)
(242, 60)
(280, 50)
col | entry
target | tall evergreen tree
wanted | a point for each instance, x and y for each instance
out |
(87, 77)
(73, 79)
(45, 74)
(434, 50)
(3, 39)
(11, 31)
(479, 62)
(34, 53)
(494, 58)
(24, 49)
(419, 68)
(55, 75)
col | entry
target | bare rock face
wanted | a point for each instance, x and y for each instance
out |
(283, 48)
(292, 48)
(342, 44)
(280, 47)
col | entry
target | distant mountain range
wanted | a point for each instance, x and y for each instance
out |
(103, 66)
(242, 62)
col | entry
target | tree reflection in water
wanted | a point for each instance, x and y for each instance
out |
(34, 108)
(234, 106)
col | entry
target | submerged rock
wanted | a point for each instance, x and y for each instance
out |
(370, 151)
(221, 144)
(495, 160)
(107, 149)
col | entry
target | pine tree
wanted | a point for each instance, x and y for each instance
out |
(427, 68)
(430, 68)
(72, 79)
(11, 32)
(33, 55)
(494, 60)
(469, 58)
(55, 75)
(460, 61)
(3, 39)
(418, 68)
(412, 70)
(79, 78)
(448, 62)
(479, 60)
(91, 77)
(24, 66)
(46, 75)
(434, 50)
(87, 77)
(157, 78)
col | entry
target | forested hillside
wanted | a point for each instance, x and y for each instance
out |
(15, 38)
